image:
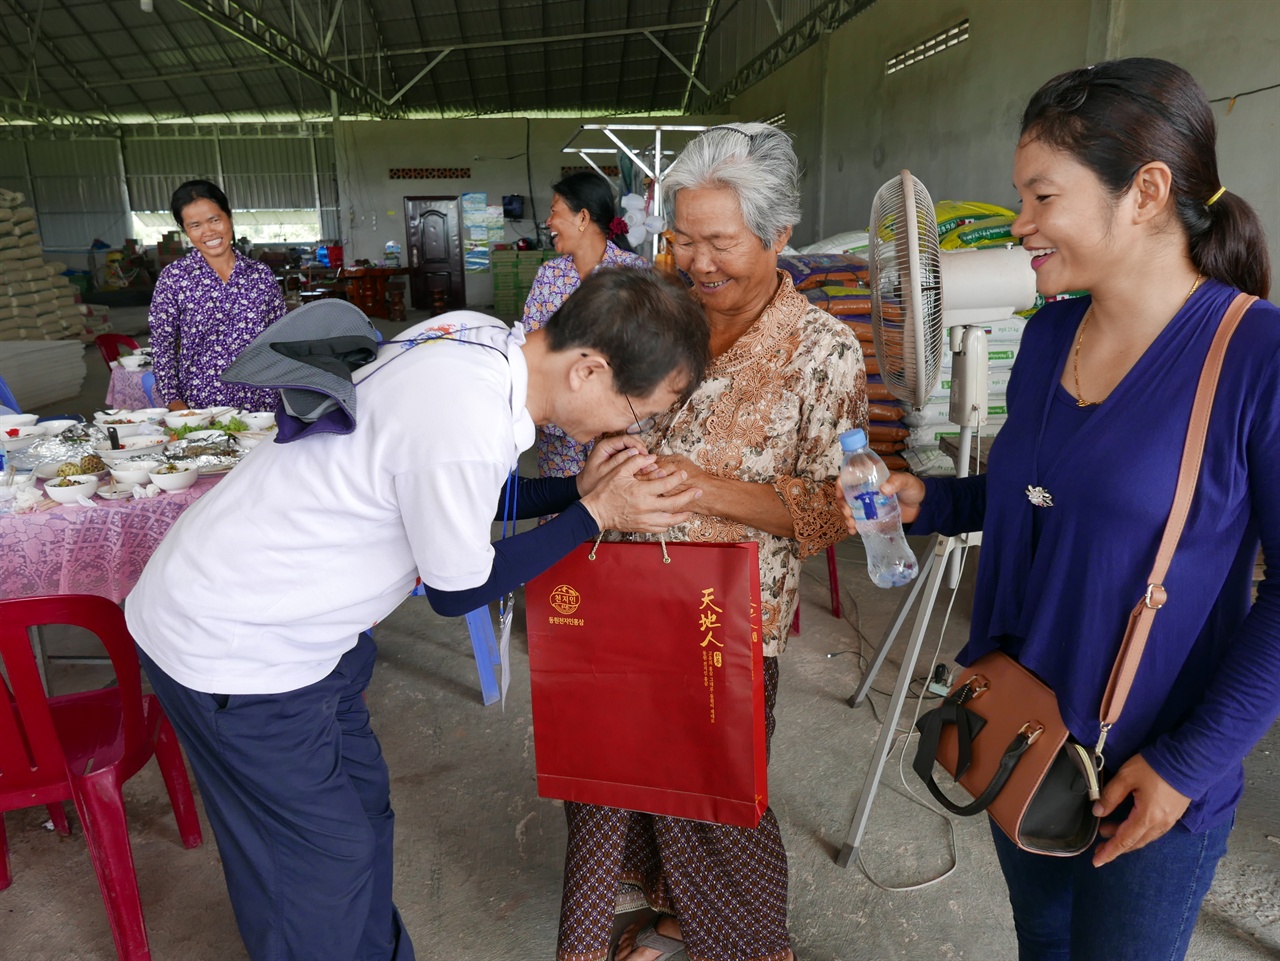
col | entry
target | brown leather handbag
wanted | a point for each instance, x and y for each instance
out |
(999, 731)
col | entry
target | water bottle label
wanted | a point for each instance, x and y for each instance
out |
(872, 503)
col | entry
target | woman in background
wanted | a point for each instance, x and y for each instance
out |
(207, 307)
(587, 234)
(1117, 170)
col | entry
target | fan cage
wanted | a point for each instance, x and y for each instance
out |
(895, 327)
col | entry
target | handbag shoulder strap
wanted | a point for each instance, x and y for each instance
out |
(1140, 620)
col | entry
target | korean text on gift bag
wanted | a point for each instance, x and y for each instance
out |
(648, 692)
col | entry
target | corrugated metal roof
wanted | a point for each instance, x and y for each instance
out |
(209, 59)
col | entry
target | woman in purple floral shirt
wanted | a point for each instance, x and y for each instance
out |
(588, 234)
(207, 307)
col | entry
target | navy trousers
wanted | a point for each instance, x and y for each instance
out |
(299, 798)
(1140, 907)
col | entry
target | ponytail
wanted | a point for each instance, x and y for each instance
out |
(1231, 245)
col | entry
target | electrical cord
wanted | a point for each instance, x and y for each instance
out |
(902, 738)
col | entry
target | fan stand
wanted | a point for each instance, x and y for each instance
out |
(968, 409)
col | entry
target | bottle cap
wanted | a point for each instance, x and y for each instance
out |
(855, 439)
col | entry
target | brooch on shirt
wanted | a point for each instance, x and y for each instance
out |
(1039, 497)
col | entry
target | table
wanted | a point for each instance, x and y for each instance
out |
(125, 391)
(101, 550)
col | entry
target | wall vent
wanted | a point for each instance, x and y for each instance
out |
(429, 173)
(935, 44)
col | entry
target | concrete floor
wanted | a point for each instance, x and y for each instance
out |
(479, 855)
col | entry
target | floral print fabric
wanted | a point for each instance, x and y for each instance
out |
(771, 410)
(199, 325)
(559, 455)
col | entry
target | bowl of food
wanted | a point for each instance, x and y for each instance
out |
(151, 413)
(57, 425)
(174, 477)
(134, 472)
(186, 418)
(67, 490)
(258, 420)
(126, 425)
(131, 447)
(17, 420)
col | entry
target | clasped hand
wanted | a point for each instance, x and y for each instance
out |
(619, 487)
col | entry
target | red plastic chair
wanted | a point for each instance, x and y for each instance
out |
(109, 345)
(83, 747)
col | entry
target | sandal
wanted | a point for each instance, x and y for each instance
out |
(648, 937)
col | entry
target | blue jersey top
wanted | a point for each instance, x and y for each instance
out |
(1056, 584)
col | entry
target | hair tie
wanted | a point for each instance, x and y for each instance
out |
(1221, 191)
(616, 226)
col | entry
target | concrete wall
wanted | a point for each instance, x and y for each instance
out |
(373, 204)
(953, 119)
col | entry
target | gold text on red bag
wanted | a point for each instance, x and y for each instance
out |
(708, 622)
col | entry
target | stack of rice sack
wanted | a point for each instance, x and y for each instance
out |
(36, 301)
(838, 284)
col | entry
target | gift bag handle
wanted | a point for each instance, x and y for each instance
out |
(666, 558)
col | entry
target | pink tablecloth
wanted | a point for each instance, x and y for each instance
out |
(87, 550)
(125, 390)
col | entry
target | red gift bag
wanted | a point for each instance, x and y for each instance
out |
(648, 691)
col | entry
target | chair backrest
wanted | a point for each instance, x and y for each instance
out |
(109, 345)
(31, 755)
(7, 399)
(149, 387)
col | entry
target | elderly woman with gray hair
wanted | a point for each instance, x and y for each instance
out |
(760, 438)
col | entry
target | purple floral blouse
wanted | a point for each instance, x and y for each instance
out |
(200, 324)
(559, 455)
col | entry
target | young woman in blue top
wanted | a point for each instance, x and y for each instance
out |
(1116, 167)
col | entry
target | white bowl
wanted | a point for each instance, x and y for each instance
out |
(24, 479)
(134, 361)
(248, 439)
(128, 426)
(100, 415)
(130, 447)
(58, 425)
(85, 486)
(133, 472)
(220, 413)
(151, 413)
(258, 420)
(218, 435)
(16, 438)
(17, 420)
(180, 480)
(185, 418)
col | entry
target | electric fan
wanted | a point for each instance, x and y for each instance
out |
(920, 295)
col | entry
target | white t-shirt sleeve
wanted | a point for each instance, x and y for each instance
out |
(448, 512)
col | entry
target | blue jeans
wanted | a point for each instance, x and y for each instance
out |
(299, 798)
(1140, 907)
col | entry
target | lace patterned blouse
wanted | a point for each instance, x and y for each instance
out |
(199, 325)
(771, 411)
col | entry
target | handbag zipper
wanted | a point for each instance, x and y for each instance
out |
(1090, 772)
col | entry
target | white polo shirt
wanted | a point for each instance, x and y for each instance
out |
(265, 582)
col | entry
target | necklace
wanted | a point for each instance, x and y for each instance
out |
(1084, 325)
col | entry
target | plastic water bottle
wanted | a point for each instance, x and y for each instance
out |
(889, 559)
(391, 254)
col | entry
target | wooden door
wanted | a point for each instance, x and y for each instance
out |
(434, 252)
